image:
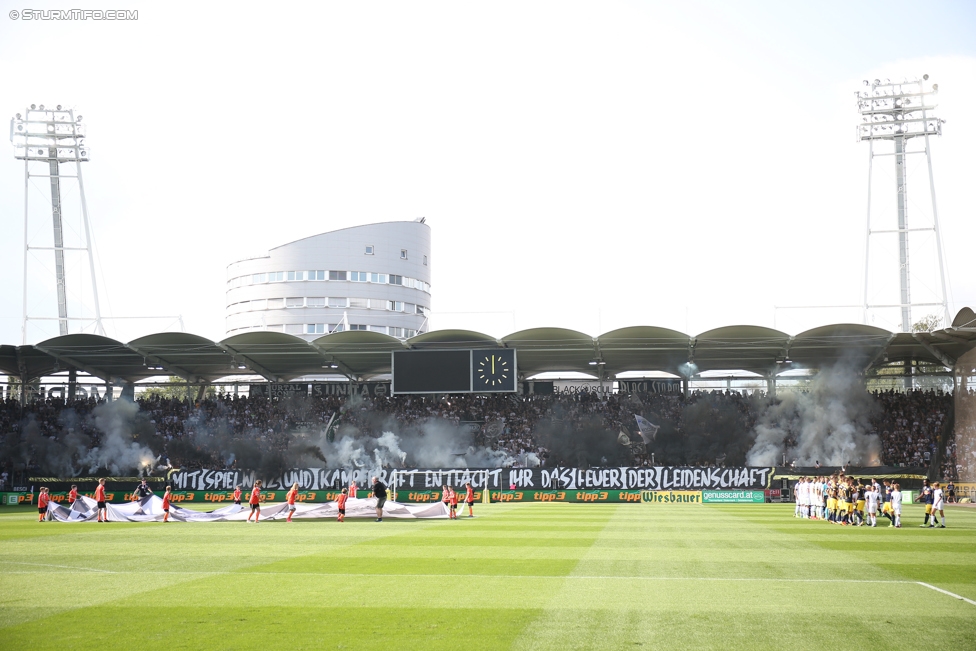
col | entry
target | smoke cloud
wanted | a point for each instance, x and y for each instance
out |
(831, 423)
(123, 438)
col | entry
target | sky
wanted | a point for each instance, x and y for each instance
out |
(586, 165)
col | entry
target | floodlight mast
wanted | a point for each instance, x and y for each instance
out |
(899, 112)
(54, 136)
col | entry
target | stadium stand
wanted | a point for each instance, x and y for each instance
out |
(705, 428)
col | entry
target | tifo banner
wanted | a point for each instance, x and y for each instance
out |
(318, 389)
(650, 385)
(675, 478)
(671, 497)
(733, 497)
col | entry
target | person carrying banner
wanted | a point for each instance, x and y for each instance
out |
(290, 497)
(453, 502)
(341, 503)
(237, 495)
(142, 491)
(469, 498)
(72, 495)
(379, 492)
(255, 502)
(166, 497)
(42, 501)
(100, 506)
(353, 488)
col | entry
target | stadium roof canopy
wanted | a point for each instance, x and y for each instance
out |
(362, 355)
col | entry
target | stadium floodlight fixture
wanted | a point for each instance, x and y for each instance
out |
(897, 112)
(47, 139)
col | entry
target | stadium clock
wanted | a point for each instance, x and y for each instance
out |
(493, 370)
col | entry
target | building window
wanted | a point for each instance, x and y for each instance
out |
(276, 303)
(315, 329)
(394, 306)
(425, 260)
(410, 333)
(315, 302)
(297, 301)
(276, 276)
(380, 329)
(315, 275)
(296, 275)
(338, 328)
(403, 254)
(377, 278)
(369, 249)
(396, 332)
(358, 276)
(276, 327)
(361, 303)
(338, 302)
(358, 326)
(396, 280)
(294, 328)
(259, 278)
(337, 275)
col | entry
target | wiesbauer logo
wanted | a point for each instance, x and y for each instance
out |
(74, 14)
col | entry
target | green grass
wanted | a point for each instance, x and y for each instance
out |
(519, 576)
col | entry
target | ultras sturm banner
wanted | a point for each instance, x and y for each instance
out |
(558, 478)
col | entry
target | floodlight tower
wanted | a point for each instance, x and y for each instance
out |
(54, 138)
(900, 112)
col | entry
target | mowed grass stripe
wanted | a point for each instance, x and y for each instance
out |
(766, 576)
(680, 577)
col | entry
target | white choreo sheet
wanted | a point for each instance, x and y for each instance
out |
(150, 509)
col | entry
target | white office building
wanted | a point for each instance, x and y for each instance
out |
(374, 277)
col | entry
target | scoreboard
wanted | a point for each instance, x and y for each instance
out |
(491, 370)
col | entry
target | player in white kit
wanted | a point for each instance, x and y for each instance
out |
(896, 503)
(871, 498)
(938, 504)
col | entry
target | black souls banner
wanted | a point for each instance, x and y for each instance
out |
(621, 478)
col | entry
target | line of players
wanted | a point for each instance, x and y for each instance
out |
(379, 492)
(846, 501)
(254, 501)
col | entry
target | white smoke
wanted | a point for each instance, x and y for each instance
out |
(117, 452)
(829, 423)
(434, 443)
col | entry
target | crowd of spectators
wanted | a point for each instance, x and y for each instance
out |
(961, 450)
(910, 425)
(703, 428)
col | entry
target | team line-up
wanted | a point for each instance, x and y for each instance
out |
(846, 501)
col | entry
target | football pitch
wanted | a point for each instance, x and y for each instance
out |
(517, 576)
